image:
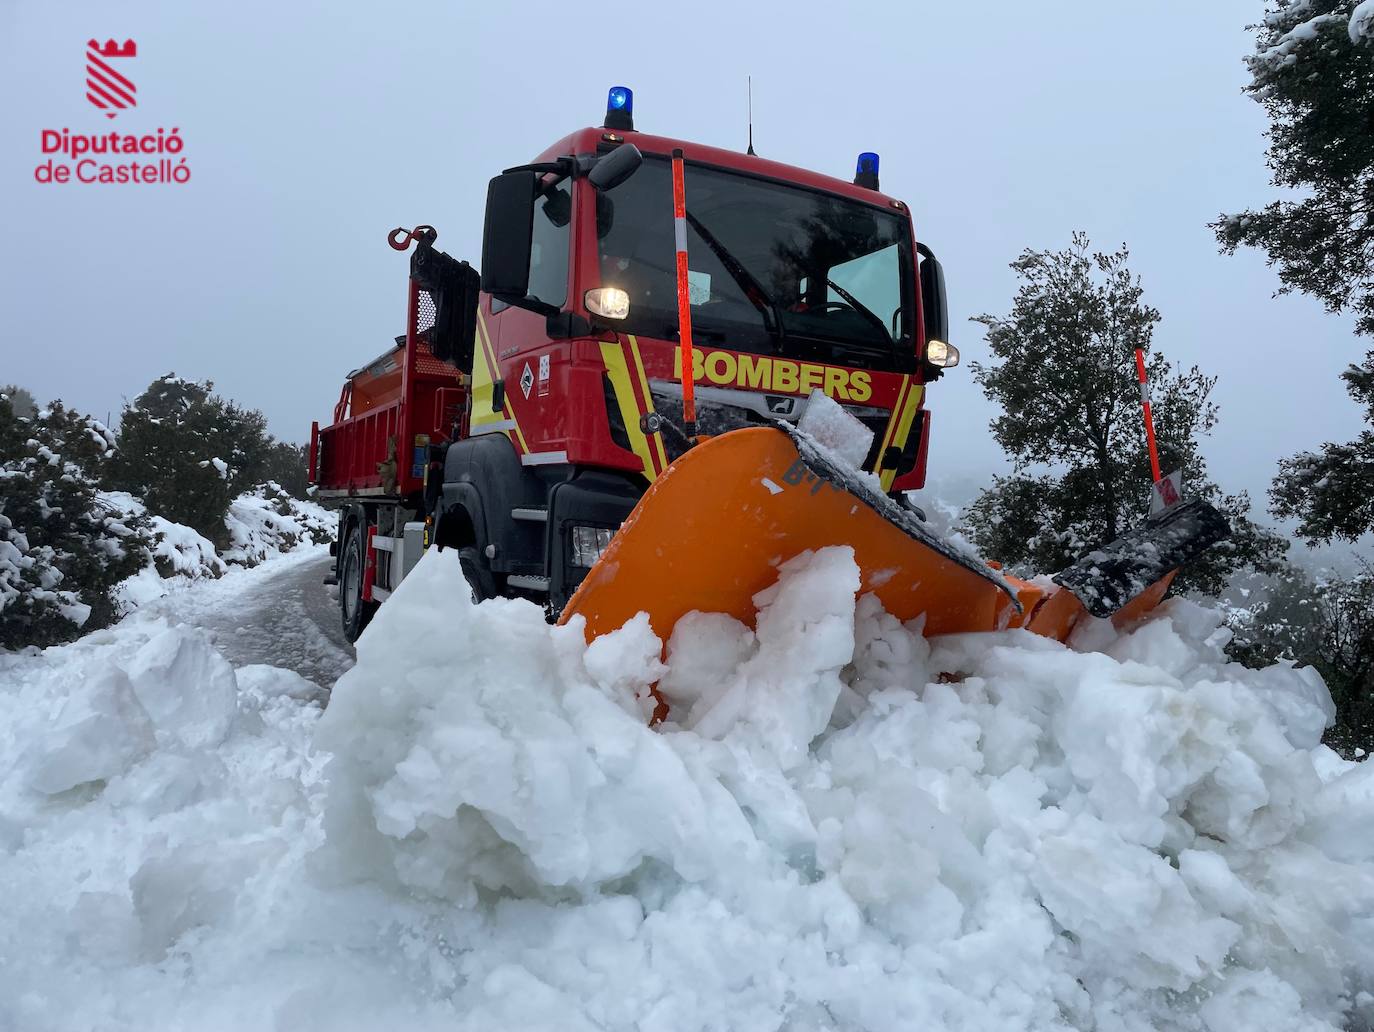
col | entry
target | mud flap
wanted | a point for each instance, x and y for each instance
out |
(1108, 578)
(710, 533)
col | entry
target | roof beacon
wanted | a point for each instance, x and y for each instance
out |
(620, 108)
(866, 174)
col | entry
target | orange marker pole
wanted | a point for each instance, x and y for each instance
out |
(1149, 420)
(684, 301)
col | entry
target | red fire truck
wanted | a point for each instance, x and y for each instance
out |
(522, 415)
(541, 418)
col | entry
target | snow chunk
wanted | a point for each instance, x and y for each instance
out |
(827, 422)
(94, 733)
(186, 686)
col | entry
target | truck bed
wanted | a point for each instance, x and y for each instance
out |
(387, 415)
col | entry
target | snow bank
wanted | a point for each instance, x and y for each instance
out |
(177, 552)
(262, 524)
(842, 826)
(267, 522)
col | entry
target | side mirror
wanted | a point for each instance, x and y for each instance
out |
(934, 303)
(614, 168)
(506, 235)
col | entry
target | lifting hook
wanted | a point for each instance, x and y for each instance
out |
(401, 238)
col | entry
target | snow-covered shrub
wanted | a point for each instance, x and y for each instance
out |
(267, 522)
(61, 552)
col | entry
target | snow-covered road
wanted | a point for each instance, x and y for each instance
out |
(279, 613)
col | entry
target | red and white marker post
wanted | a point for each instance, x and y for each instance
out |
(684, 300)
(1149, 420)
(1166, 490)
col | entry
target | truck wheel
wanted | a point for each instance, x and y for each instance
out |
(477, 572)
(354, 610)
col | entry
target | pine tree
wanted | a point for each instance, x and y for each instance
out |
(1331, 491)
(188, 453)
(285, 465)
(1313, 70)
(1066, 383)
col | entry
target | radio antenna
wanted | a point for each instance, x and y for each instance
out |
(750, 87)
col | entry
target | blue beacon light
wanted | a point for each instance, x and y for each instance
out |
(620, 106)
(866, 172)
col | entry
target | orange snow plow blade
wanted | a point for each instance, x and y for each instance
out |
(710, 533)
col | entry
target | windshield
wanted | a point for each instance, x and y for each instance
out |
(772, 267)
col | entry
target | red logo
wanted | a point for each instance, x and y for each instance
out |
(107, 89)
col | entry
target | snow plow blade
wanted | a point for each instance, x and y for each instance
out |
(711, 531)
(1109, 577)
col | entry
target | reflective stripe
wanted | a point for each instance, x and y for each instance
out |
(543, 458)
(498, 426)
(680, 233)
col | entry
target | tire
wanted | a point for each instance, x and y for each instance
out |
(354, 611)
(478, 573)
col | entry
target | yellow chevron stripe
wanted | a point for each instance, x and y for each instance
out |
(618, 370)
(892, 422)
(656, 440)
(483, 379)
(902, 428)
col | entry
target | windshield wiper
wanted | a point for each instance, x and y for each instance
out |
(862, 309)
(748, 283)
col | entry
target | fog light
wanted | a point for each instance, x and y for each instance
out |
(938, 353)
(608, 302)
(588, 543)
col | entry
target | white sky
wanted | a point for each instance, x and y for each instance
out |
(314, 128)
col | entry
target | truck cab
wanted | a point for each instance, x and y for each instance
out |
(568, 363)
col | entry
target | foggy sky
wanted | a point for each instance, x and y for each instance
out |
(311, 129)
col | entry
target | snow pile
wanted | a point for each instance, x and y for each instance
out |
(262, 524)
(1361, 27)
(267, 522)
(842, 826)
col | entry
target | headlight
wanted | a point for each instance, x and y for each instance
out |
(608, 302)
(938, 353)
(588, 543)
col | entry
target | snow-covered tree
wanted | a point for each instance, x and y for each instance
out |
(1313, 70)
(188, 452)
(1326, 623)
(285, 466)
(1331, 491)
(1065, 379)
(21, 401)
(61, 551)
